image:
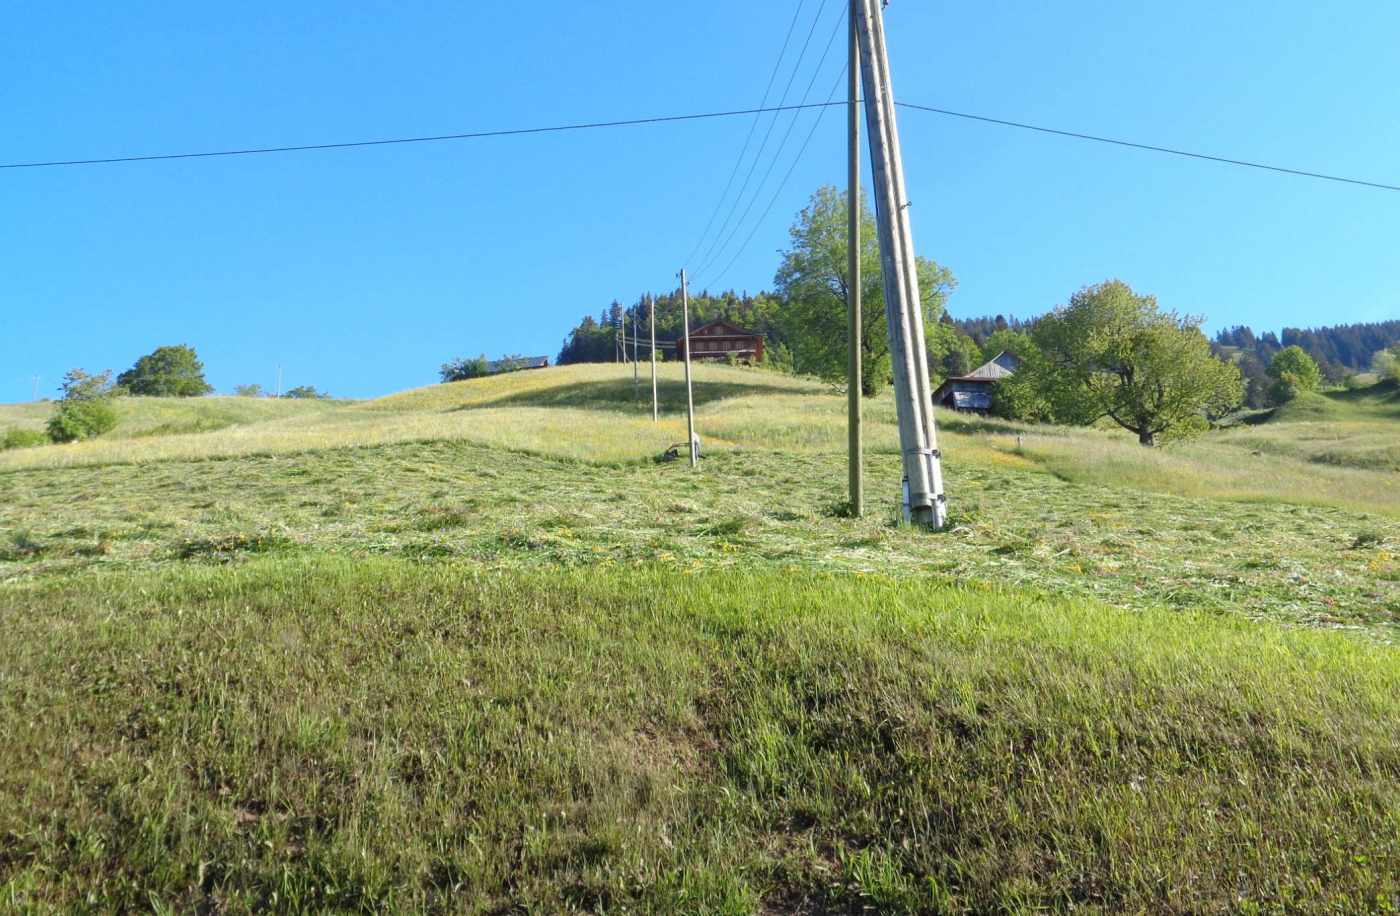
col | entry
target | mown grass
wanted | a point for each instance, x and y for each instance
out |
(596, 414)
(332, 734)
(144, 417)
(1012, 524)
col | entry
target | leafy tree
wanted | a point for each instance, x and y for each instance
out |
(248, 391)
(1007, 340)
(306, 392)
(167, 372)
(459, 370)
(778, 358)
(1293, 371)
(812, 283)
(1111, 353)
(1386, 363)
(950, 351)
(86, 408)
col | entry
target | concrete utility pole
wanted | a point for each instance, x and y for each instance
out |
(855, 447)
(651, 312)
(636, 362)
(926, 503)
(279, 380)
(35, 379)
(689, 397)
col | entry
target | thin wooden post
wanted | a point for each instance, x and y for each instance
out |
(655, 407)
(855, 445)
(689, 396)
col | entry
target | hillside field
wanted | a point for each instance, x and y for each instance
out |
(473, 647)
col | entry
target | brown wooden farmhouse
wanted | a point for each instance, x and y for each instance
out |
(722, 340)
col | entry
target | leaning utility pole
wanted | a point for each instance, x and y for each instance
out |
(855, 447)
(651, 311)
(689, 398)
(925, 502)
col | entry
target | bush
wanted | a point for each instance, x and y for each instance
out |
(459, 370)
(74, 420)
(86, 409)
(306, 393)
(23, 438)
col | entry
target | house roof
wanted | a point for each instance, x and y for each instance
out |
(721, 326)
(523, 362)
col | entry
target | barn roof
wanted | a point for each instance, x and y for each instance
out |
(999, 367)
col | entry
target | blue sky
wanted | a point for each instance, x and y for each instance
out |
(361, 271)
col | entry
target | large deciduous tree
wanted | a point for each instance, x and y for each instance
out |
(813, 280)
(167, 372)
(1112, 353)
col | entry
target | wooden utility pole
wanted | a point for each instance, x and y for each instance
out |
(926, 503)
(689, 397)
(651, 311)
(855, 447)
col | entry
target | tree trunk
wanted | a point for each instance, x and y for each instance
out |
(1147, 438)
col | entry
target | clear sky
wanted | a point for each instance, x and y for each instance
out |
(360, 271)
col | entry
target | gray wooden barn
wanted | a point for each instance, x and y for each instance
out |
(973, 392)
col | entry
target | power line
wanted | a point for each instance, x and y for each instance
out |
(668, 119)
(709, 255)
(475, 135)
(782, 184)
(753, 126)
(718, 253)
(1149, 147)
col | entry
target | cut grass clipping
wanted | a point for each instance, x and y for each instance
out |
(299, 733)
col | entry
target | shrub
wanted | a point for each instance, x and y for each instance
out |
(74, 420)
(86, 409)
(23, 438)
(306, 393)
(459, 370)
(248, 391)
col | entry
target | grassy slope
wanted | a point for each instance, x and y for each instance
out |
(391, 735)
(498, 655)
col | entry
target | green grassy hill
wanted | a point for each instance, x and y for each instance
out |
(472, 647)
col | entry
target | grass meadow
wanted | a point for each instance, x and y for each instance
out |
(473, 648)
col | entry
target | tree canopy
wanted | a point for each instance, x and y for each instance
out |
(167, 372)
(1111, 353)
(813, 280)
(1293, 370)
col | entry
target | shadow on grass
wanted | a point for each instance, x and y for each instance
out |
(961, 423)
(625, 396)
